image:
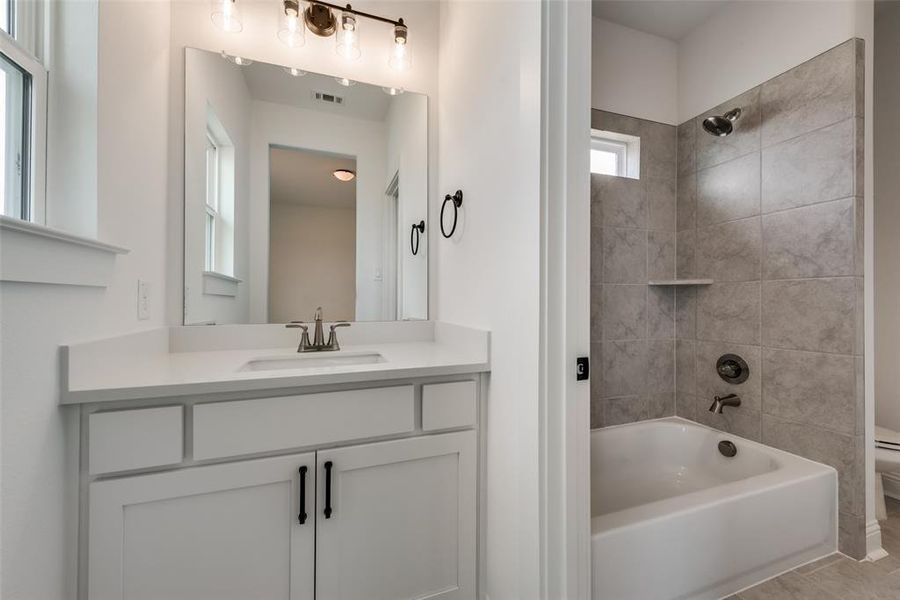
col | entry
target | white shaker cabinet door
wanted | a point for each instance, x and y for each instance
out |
(396, 519)
(222, 532)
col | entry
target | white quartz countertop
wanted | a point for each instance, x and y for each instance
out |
(165, 363)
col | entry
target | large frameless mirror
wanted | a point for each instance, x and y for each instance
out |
(301, 190)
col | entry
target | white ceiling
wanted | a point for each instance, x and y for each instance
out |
(271, 83)
(305, 177)
(671, 19)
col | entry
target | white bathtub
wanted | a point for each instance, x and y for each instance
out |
(673, 518)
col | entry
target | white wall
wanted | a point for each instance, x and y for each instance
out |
(312, 262)
(488, 275)
(38, 485)
(633, 73)
(746, 43)
(218, 85)
(72, 118)
(291, 127)
(407, 154)
(887, 214)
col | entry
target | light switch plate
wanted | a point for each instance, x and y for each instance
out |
(143, 300)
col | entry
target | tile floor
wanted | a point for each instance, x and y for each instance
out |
(838, 577)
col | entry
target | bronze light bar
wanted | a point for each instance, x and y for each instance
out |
(320, 19)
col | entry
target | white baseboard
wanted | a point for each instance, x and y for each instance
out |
(874, 551)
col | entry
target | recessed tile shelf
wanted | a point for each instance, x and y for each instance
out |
(680, 282)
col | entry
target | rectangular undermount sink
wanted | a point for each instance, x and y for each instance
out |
(312, 361)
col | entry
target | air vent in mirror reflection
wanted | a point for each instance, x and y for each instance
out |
(328, 98)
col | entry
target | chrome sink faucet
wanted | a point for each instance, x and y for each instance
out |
(318, 344)
(720, 403)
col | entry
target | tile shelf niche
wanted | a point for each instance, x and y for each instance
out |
(680, 282)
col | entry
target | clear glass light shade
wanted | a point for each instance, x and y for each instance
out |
(400, 59)
(291, 30)
(294, 71)
(392, 91)
(348, 37)
(226, 16)
(344, 81)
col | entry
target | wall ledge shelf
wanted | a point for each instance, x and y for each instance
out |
(32, 253)
(670, 282)
(219, 284)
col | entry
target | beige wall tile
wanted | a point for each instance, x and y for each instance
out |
(810, 314)
(729, 312)
(812, 388)
(729, 190)
(812, 95)
(815, 167)
(813, 241)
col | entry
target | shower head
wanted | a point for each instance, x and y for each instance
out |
(723, 125)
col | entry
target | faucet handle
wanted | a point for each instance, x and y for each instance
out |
(332, 335)
(304, 346)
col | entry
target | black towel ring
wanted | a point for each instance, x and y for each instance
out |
(417, 230)
(456, 199)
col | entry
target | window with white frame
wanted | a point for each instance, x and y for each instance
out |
(219, 198)
(615, 154)
(23, 98)
(212, 200)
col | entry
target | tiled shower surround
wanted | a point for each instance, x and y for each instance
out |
(773, 214)
(632, 240)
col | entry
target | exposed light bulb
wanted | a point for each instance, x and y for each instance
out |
(237, 60)
(226, 16)
(400, 59)
(344, 81)
(291, 30)
(294, 71)
(392, 91)
(348, 37)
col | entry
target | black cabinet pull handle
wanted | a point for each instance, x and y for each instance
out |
(302, 516)
(327, 510)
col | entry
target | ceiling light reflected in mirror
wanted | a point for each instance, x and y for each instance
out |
(344, 175)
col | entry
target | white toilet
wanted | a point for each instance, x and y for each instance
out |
(887, 460)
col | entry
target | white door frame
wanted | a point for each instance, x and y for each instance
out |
(392, 264)
(565, 299)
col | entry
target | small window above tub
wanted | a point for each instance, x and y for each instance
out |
(615, 154)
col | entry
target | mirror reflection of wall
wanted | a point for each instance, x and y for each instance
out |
(270, 232)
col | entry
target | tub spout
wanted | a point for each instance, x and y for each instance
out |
(721, 402)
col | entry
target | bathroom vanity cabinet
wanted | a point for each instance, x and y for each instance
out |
(348, 490)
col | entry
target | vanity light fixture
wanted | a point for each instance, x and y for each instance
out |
(347, 38)
(237, 60)
(344, 175)
(344, 81)
(320, 18)
(294, 71)
(400, 59)
(226, 16)
(291, 31)
(392, 91)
